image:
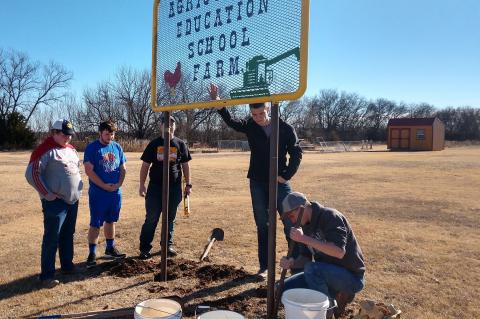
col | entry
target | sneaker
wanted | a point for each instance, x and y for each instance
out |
(114, 253)
(49, 283)
(171, 252)
(91, 260)
(144, 255)
(262, 274)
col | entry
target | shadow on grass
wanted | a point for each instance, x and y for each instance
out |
(78, 301)
(28, 284)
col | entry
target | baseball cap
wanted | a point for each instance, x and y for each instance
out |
(162, 119)
(293, 201)
(63, 125)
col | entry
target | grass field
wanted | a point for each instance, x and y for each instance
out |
(416, 215)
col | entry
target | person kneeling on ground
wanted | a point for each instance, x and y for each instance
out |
(338, 268)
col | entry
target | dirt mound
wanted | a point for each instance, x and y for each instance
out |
(251, 303)
(211, 273)
(195, 283)
(178, 268)
(183, 268)
(132, 267)
(248, 306)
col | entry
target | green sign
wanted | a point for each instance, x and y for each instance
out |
(253, 50)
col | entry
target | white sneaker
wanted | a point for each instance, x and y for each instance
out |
(263, 274)
(49, 283)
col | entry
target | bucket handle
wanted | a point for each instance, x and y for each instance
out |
(201, 307)
(335, 305)
(178, 315)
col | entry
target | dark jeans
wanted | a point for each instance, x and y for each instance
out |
(59, 219)
(260, 194)
(327, 278)
(153, 206)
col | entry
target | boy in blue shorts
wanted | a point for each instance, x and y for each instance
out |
(104, 163)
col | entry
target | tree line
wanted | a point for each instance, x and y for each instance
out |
(34, 94)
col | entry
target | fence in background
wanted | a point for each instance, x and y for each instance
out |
(342, 146)
(233, 145)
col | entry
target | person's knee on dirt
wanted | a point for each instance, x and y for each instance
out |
(104, 162)
(257, 129)
(152, 166)
(337, 268)
(54, 172)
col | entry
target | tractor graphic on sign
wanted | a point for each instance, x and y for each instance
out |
(257, 77)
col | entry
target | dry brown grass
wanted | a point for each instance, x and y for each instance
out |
(416, 216)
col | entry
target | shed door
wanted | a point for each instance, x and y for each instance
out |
(400, 138)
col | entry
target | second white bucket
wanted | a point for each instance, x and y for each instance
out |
(305, 304)
(221, 314)
(158, 309)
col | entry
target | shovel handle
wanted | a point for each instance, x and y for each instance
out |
(207, 250)
(93, 314)
(186, 205)
(281, 282)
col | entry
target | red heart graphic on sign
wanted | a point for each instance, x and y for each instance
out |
(173, 78)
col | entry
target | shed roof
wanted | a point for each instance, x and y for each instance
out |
(412, 121)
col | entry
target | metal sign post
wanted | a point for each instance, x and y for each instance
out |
(165, 194)
(255, 51)
(272, 212)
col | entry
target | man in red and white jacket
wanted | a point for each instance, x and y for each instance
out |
(54, 172)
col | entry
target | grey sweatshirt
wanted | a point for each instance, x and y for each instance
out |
(57, 172)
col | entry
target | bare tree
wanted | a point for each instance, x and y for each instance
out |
(378, 114)
(132, 93)
(100, 106)
(25, 86)
(421, 110)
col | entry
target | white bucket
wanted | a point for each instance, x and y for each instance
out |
(221, 314)
(305, 304)
(158, 309)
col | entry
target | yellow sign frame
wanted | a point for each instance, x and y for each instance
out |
(231, 102)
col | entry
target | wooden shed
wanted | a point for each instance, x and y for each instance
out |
(416, 134)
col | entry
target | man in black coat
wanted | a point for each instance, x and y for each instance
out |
(258, 129)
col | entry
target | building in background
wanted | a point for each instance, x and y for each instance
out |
(416, 134)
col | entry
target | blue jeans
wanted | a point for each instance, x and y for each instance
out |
(259, 192)
(327, 278)
(153, 206)
(59, 219)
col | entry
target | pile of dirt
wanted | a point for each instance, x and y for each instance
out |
(129, 267)
(251, 303)
(211, 273)
(178, 268)
(183, 268)
(195, 283)
(248, 306)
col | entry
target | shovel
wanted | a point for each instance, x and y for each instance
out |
(217, 234)
(186, 205)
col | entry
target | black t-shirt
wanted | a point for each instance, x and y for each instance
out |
(153, 154)
(328, 224)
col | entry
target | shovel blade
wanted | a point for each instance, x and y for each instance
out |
(217, 234)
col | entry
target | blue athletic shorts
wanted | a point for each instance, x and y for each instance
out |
(104, 207)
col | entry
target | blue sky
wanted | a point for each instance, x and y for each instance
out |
(404, 50)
